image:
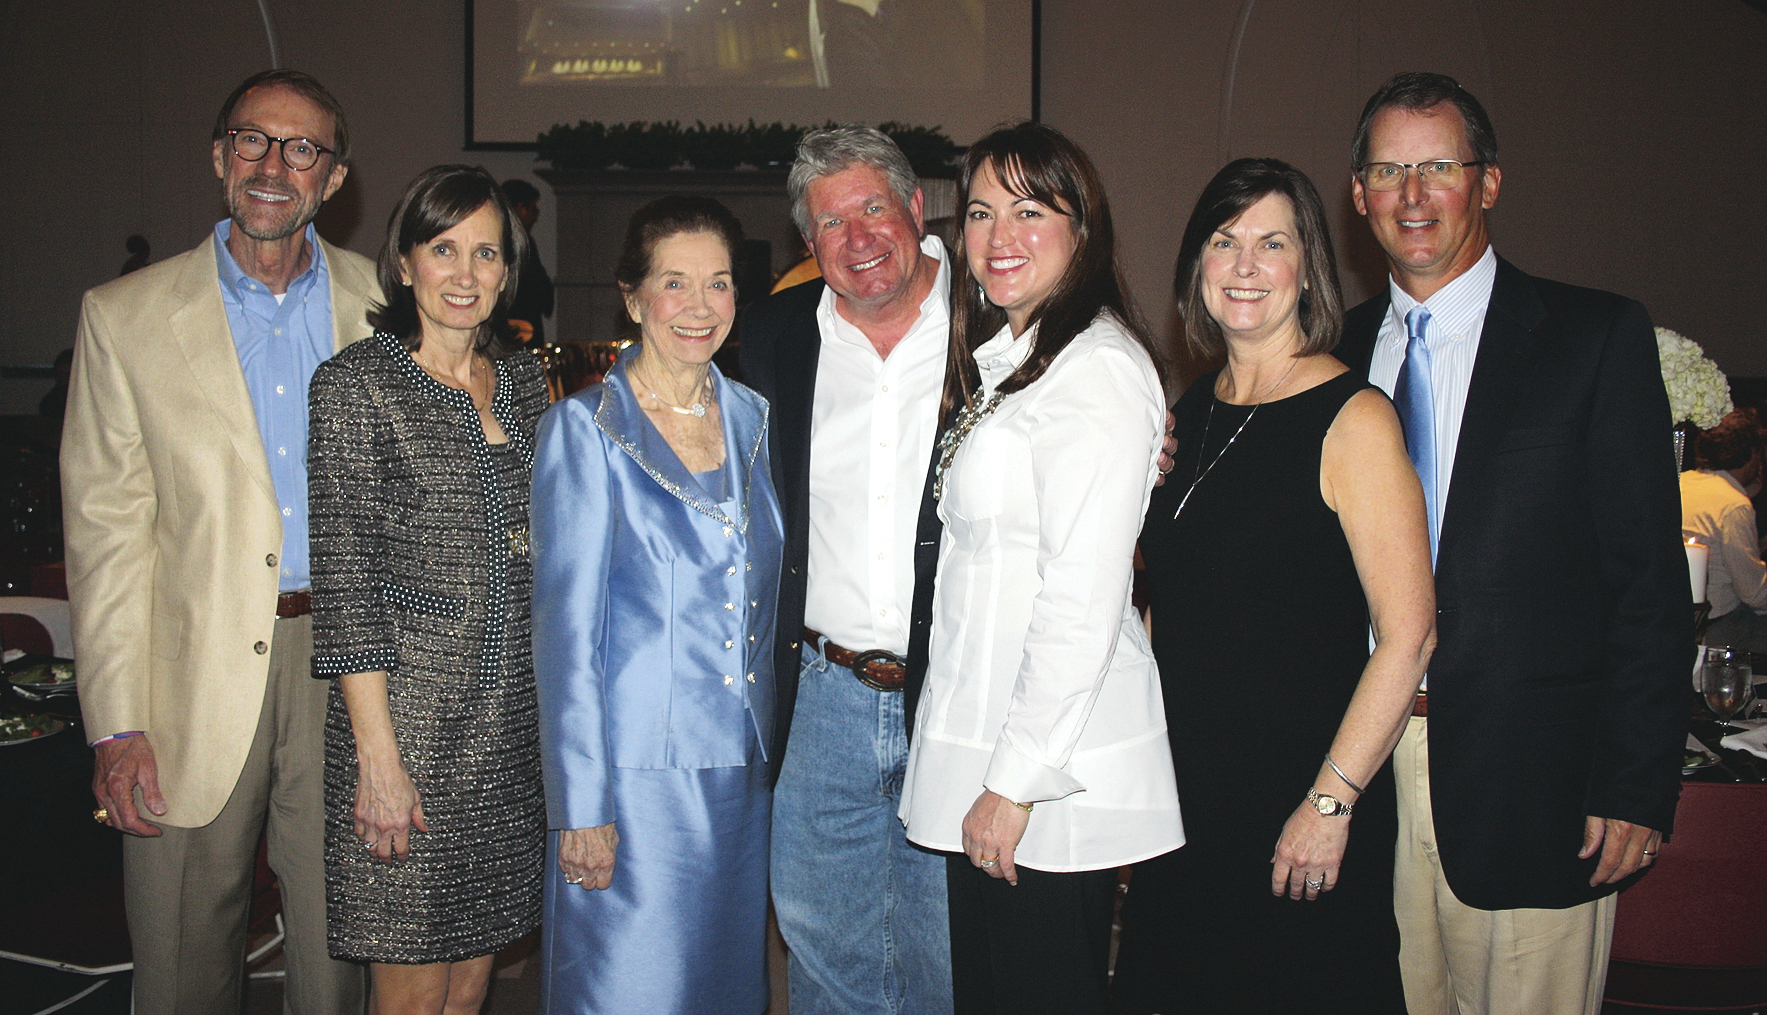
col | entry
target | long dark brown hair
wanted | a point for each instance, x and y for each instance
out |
(1039, 162)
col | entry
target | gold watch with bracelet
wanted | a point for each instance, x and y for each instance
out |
(1328, 806)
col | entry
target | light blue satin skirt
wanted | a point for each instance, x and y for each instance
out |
(683, 927)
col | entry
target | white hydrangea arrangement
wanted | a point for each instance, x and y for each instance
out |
(1698, 391)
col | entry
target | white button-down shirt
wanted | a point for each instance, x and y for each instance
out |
(1716, 511)
(1457, 319)
(1041, 684)
(871, 437)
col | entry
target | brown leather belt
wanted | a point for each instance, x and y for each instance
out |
(294, 604)
(1421, 707)
(876, 669)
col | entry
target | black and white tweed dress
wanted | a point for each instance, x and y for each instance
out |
(420, 569)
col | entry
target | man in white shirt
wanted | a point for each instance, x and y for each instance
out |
(853, 366)
(1715, 510)
(1541, 765)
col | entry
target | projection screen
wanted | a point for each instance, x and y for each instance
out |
(964, 65)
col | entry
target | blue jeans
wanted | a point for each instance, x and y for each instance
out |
(862, 911)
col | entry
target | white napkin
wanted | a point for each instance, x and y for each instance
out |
(1754, 741)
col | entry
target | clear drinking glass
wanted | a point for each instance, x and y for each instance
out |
(1727, 682)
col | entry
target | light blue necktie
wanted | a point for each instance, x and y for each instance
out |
(1416, 402)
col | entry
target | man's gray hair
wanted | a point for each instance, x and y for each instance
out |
(830, 150)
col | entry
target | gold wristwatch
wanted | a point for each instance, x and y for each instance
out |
(1328, 806)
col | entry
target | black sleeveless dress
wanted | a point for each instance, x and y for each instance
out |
(1261, 631)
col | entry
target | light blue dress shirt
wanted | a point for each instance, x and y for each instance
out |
(280, 344)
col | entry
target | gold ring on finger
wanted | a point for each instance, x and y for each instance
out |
(101, 815)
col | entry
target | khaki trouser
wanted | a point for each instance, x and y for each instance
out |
(1457, 960)
(188, 891)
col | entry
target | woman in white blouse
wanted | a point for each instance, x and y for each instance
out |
(1040, 759)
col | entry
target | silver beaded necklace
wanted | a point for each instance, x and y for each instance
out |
(972, 414)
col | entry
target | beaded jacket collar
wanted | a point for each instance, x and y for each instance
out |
(745, 431)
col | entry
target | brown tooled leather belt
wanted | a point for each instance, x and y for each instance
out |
(1421, 707)
(294, 604)
(876, 669)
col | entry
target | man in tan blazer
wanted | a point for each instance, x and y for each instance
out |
(184, 487)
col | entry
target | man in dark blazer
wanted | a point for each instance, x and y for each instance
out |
(1540, 768)
(852, 365)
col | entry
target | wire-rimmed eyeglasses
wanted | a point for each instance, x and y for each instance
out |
(1437, 174)
(298, 153)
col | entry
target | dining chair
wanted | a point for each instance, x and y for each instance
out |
(36, 625)
(1689, 935)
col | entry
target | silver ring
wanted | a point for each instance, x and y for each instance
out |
(1315, 885)
(368, 845)
(573, 881)
(987, 863)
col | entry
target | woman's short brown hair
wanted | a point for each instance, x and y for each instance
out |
(1239, 185)
(672, 216)
(439, 199)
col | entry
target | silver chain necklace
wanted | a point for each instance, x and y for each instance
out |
(1202, 474)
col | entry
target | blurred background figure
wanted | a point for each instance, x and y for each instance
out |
(54, 404)
(1716, 510)
(139, 251)
(533, 294)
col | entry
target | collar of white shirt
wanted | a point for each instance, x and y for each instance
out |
(999, 356)
(933, 310)
(1455, 307)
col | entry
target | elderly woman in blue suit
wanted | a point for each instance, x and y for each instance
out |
(656, 563)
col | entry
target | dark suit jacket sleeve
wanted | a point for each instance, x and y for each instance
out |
(778, 341)
(1631, 475)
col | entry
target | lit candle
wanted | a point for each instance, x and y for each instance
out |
(1696, 568)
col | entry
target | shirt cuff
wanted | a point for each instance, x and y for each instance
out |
(1022, 779)
(116, 736)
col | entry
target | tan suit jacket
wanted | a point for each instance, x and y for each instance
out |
(171, 520)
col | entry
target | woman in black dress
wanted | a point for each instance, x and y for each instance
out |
(1292, 523)
(420, 453)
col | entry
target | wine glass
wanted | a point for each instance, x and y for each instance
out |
(1727, 682)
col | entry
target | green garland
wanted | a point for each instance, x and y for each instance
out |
(665, 144)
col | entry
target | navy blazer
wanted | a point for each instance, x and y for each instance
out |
(653, 607)
(1565, 633)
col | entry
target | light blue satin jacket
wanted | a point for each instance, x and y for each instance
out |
(653, 605)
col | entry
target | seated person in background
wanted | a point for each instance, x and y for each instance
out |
(1715, 510)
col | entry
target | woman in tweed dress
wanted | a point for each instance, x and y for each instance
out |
(420, 453)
